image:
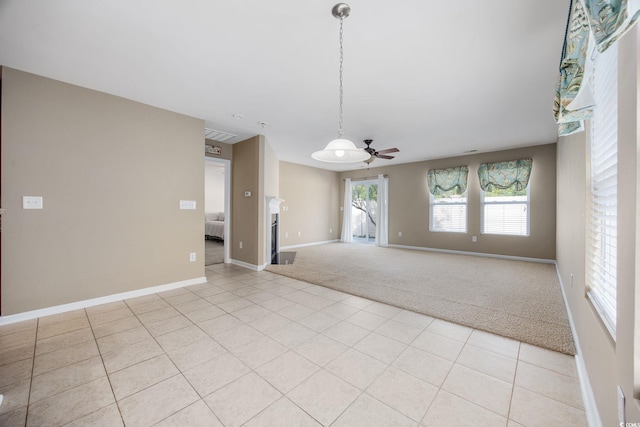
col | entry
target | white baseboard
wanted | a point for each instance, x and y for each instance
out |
(247, 265)
(480, 254)
(57, 309)
(308, 244)
(588, 398)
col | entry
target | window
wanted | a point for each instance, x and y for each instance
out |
(505, 197)
(448, 199)
(505, 212)
(449, 213)
(603, 210)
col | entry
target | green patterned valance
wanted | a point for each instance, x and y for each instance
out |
(448, 181)
(611, 19)
(573, 65)
(591, 23)
(505, 174)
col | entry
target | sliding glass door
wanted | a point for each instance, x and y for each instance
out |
(364, 208)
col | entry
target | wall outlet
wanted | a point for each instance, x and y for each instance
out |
(32, 202)
(299, 233)
(571, 279)
(330, 230)
(286, 234)
(399, 233)
(192, 257)
(240, 244)
(474, 239)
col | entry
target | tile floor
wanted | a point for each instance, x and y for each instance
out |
(258, 349)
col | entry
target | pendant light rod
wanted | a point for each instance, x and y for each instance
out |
(341, 11)
(341, 150)
(340, 126)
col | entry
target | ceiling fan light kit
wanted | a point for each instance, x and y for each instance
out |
(373, 153)
(341, 150)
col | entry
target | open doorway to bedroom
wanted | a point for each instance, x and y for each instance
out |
(216, 210)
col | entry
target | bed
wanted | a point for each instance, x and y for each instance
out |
(214, 226)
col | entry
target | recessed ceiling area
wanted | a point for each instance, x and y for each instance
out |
(434, 80)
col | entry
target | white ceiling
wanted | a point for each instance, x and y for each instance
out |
(433, 79)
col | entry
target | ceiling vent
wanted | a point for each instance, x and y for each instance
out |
(218, 135)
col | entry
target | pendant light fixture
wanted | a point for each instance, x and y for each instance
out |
(341, 150)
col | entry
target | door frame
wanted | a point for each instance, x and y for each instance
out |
(227, 205)
(367, 182)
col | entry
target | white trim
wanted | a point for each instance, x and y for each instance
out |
(227, 205)
(480, 254)
(309, 244)
(247, 265)
(272, 208)
(57, 309)
(588, 398)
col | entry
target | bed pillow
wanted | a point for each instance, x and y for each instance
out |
(211, 216)
(220, 216)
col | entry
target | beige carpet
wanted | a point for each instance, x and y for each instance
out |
(516, 299)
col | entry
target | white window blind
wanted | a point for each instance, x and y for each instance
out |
(505, 214)
(449, 213)
(603, 212)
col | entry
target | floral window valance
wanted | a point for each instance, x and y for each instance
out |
(611, 19)
(505, 174)
(448, 181)
(591, 24)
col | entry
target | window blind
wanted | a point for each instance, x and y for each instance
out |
(506, 215)
(449, 214)
(603, 212)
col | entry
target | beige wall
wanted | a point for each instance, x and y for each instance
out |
(608, 364)
(112, 173)
(311, 197)
(254, 168)
(245, 176)
(409, 204)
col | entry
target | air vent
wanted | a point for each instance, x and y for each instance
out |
(218, 135)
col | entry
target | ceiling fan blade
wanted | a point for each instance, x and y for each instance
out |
(382, 156)
(388, 150)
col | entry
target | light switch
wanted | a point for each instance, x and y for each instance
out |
(31, 202)
(188, 204)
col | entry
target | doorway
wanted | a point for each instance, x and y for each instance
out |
(364, 211)
(217, 203)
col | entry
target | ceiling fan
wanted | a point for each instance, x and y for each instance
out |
(382, 154)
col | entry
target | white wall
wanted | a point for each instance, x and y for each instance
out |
(213, 186)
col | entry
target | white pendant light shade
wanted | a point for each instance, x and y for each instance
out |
(341, 151)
